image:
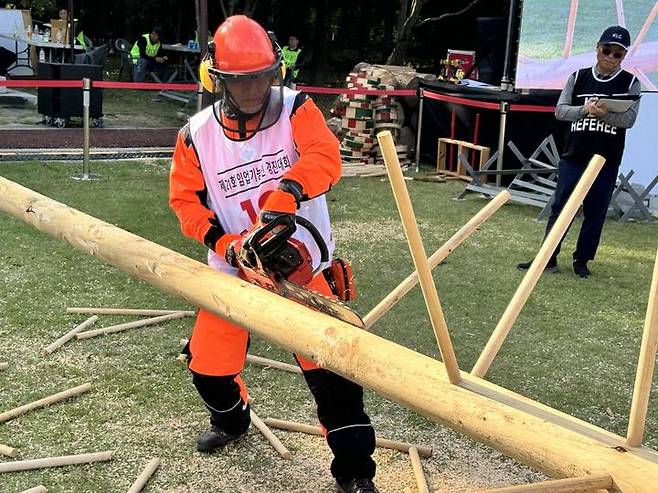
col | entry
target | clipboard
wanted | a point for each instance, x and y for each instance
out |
(617, 105)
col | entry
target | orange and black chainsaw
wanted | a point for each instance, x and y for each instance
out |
(272, 259)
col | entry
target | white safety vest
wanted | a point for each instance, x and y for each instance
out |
(239, 175)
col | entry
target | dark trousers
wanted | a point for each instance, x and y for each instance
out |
(350, 435)
(595, 205)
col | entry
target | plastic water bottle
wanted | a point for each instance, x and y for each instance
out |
(42, 56)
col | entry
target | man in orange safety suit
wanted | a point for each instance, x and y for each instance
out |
(260, 151)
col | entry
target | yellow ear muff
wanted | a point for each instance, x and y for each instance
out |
(206, 79)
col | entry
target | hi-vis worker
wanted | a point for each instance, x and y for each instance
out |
(147, 55)
(293, 58)
(260, 151)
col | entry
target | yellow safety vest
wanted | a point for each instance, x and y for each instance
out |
(151, 49)
(290, 58)
(81, 40)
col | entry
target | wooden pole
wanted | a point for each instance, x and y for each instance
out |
(8, 451)
(437, 257)
(418, 254)
(4, 365)
(645, 367)
(36, 489)
(510, 423)
(582, 484)
(257, 360)
(129, 325)
(46, 401)
(70, 335)
(417, 467)
(65, 460)
(144, 476)
(126, 311)
(271, 437)
(282, 424)
(530, 280)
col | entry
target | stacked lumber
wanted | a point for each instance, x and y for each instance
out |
(362, 117)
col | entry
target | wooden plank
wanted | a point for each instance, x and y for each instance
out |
(46, 401)
(144, 476)
(65, 460)
(126, 311)
(645, 366)
(436, 258)
(418, 255)
(582, 484)
(537, 268)
(282, 424)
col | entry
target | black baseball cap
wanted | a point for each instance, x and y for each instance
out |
(616, 35)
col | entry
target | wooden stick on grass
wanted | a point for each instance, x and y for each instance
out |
(267, 433)
(126, 311)
(595, 482)
(144, 476)
(70, 335)
(257, 360)
(46, 401)
(645, 367)
(531, 278)
(282, 424)
(8, 451)
(418, 470)
(129, 325)
(37, 489)
(419, 256)
(436, 258)
(65, 460)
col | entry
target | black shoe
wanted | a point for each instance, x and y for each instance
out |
(361, 485)
(214, 439)
(551, 266)
(580, 268)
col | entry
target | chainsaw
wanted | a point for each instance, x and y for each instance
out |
(272, 259)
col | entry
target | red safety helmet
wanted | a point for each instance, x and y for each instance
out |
(242, 51)
(243, 48)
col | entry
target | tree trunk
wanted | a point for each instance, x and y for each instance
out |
(320, 42)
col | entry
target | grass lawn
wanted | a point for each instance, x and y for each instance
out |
(574, 347)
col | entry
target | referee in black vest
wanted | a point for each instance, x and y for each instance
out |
(593, 130)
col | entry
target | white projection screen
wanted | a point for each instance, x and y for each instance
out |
(559, 36)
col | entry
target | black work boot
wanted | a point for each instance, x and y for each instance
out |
(213, 439)
(580, 268)
(551, 266)
(359, 485)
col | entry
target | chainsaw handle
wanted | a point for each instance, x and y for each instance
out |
(319, 240)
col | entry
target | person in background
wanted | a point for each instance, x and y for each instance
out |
(260, 152)
(293, 57)
(147, 55)
(593, 130)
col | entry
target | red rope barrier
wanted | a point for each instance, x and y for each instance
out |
(372, 92)
(532, 107)
(154, 86)
(483, 104)
(465, 102)
(149, 86)
(41, 83)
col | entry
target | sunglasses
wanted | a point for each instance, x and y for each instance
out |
(615, 54)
